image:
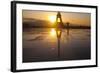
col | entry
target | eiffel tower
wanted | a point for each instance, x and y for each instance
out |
(59, 23)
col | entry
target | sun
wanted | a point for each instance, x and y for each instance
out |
(52, 18)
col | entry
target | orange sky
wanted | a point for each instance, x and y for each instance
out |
(72, 17)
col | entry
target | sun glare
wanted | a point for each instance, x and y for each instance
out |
(52, 19)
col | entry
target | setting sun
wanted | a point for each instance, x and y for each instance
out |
(52, 19)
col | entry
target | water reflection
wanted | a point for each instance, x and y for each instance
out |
(67, 31)
(50, 44)
(57, 32)
(53, 32)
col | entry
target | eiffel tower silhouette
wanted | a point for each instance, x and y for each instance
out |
(59, 23)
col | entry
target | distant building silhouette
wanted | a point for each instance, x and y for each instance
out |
(59, 23)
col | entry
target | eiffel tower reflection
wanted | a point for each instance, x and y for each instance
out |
(59, 27)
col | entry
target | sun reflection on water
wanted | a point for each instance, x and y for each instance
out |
(53, 32)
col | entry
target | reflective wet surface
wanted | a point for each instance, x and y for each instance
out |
(50, 44)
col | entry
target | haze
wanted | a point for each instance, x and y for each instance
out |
(83, 19)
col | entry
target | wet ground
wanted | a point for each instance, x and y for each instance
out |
(42, 44)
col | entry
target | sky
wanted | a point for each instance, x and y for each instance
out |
(83, 19)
